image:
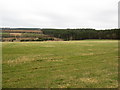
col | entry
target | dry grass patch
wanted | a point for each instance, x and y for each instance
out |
(88, 80)
(20, 60)
(86, 54)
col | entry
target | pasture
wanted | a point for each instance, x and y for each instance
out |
(60, 64)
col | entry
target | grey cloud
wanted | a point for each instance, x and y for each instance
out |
(57, 20)
(75, 17)
(105, 16)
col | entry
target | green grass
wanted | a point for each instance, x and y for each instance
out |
(3, 33)
(60, 64)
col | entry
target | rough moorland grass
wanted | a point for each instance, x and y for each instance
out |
(60, 64)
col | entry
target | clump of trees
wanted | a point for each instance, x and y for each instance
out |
(81, 34)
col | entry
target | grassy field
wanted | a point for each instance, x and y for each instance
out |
(60, 64)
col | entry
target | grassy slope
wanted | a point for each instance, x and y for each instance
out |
(61, 64)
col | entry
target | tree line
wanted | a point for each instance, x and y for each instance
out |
(82, 34)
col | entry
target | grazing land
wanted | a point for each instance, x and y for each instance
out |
(60, 64)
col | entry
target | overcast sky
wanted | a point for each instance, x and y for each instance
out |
(98, 14)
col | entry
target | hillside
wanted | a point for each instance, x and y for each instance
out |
(36, 34)
(26, 35)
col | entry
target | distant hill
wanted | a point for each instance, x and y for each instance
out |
(25, 35)
(37, 34)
